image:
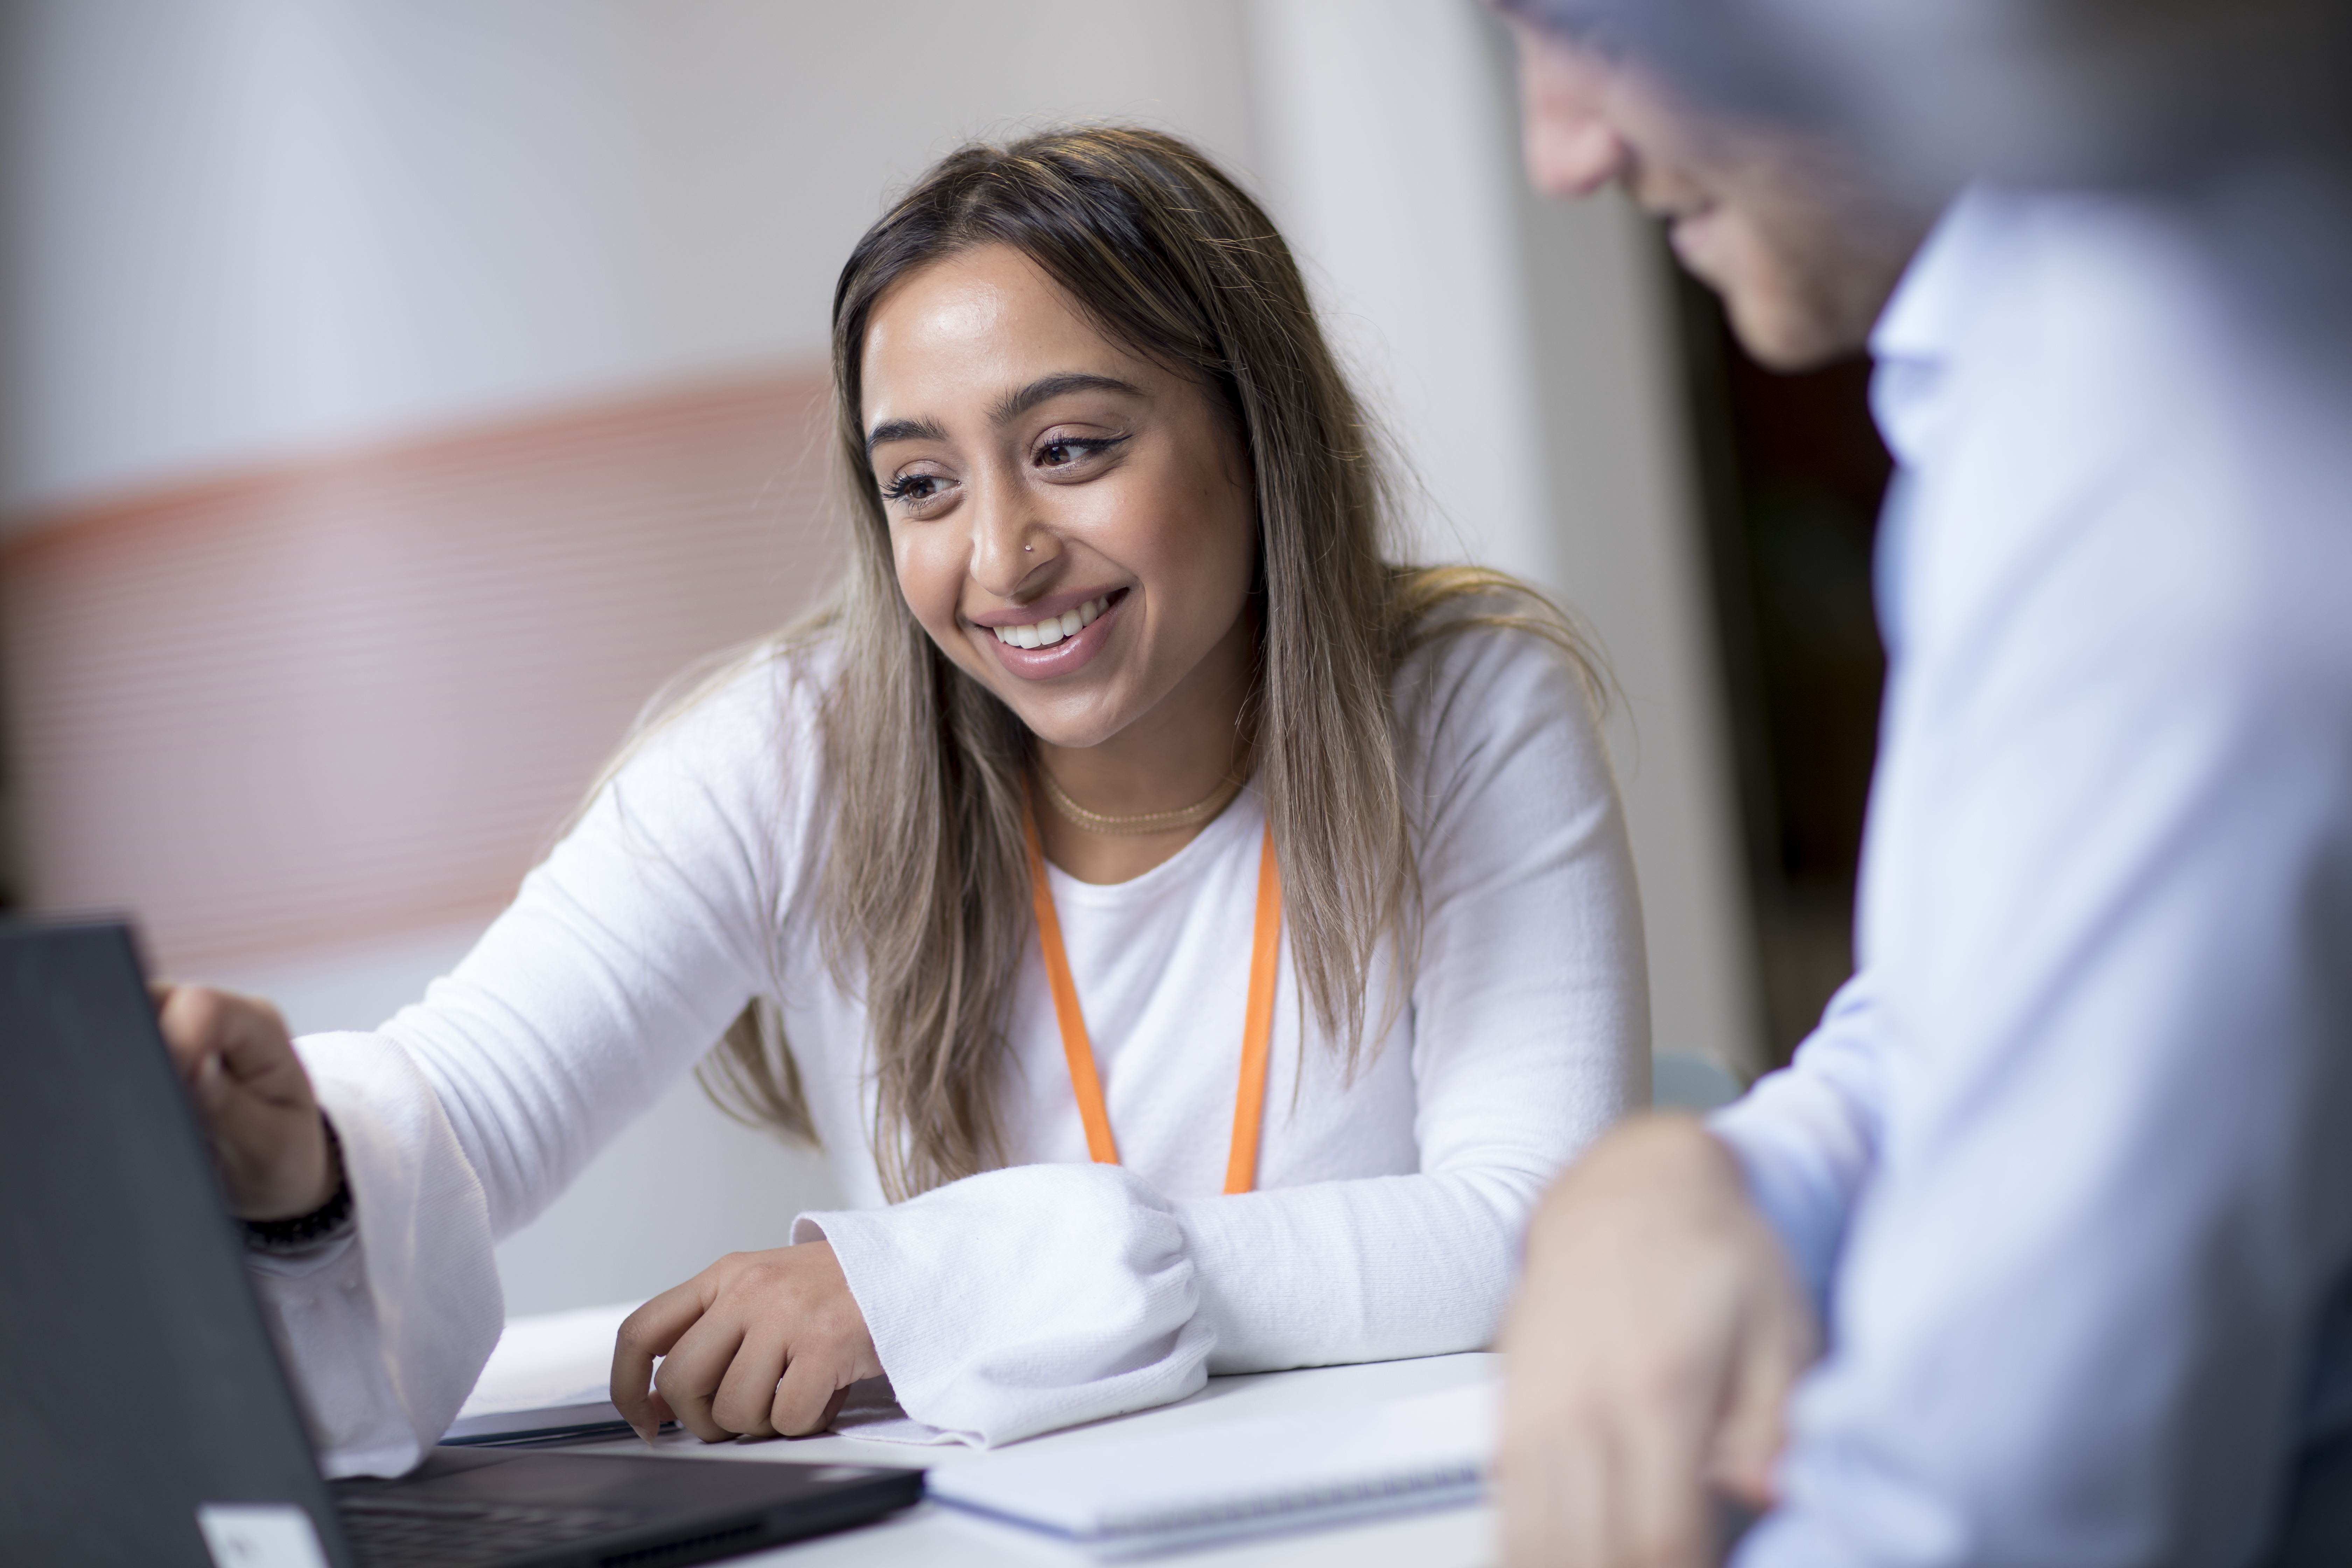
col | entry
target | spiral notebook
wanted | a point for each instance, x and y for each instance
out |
(1206, 1484)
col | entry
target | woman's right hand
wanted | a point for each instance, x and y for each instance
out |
(239, 1065)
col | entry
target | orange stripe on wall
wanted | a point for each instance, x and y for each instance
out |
(312, 706)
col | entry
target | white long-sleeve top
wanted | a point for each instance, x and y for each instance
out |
(1053, 1291)
(2069, 1161)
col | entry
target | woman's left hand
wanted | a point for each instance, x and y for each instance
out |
(759, 1344)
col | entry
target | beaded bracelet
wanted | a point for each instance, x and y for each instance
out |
(331, 1221)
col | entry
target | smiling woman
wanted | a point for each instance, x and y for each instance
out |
(1068, 500)
(1125, 779)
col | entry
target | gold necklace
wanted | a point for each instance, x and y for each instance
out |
(1149, 821)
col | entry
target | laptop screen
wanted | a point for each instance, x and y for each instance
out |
(147, 1385)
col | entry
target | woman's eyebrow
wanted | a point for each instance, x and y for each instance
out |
(1017, 404)
(902, 430)
(1010, 407)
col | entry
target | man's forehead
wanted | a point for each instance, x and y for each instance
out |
(1722, 58)
(1589, 24)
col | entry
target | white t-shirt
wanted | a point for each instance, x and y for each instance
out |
(1389, 1204)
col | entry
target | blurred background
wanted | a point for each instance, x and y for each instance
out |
(398, 392)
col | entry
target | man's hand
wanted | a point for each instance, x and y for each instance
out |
(1656, 1336)
(759, 1344)
(239, 1065)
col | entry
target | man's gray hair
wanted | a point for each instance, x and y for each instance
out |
(2065, 91)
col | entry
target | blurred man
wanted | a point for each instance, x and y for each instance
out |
(2060, 1192)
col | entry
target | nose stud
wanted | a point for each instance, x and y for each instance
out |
(1026, 549)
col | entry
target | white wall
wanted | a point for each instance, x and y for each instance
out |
(1381, 163)
(248, 228)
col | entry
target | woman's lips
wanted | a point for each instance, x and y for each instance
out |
(1058, 659)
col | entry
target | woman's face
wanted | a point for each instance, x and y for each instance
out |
(1072, 524)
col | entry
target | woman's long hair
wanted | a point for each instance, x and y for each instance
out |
(924, 898)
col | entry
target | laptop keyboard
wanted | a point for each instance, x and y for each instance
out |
(415, 1532)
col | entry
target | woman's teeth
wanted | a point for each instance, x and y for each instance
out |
(1053, 628)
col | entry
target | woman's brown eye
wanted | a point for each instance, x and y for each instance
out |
(1071, 449)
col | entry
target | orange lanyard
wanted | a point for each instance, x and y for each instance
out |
(1257, 1026)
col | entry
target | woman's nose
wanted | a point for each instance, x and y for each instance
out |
(1009, 542)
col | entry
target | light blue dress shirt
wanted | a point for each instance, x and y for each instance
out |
(2069, 1161)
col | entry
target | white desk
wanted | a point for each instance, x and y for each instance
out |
(930, 1533)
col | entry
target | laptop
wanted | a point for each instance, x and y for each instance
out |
(147, 1419)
